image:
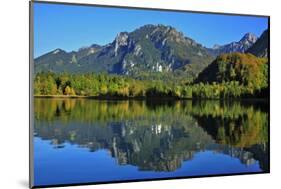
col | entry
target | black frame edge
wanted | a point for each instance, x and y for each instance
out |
(150, 180)
(31, 113)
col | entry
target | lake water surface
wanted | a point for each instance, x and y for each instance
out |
(85, 140)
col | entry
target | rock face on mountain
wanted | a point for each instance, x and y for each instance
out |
(151, 48)
(260, 48)
(241, 46)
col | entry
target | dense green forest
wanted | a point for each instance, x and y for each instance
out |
(233, 75)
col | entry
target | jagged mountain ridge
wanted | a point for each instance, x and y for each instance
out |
(241, 46)
(151, 48)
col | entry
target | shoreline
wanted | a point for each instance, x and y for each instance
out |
(141, 98)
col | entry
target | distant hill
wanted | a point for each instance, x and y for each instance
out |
(260, 48)
(241, 46)
(246, 69)
(151, 48)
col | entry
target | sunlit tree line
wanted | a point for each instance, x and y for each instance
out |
(104, 85)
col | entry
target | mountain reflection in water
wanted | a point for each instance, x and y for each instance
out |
(157, 136)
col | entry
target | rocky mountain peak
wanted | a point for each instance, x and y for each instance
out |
(58, 50)
(260, 48)
(237, 46)
(155, 26)
(95, 46)
(122, 37)
(249, 37)
(154, 30)
(216, 46)
(121, 40)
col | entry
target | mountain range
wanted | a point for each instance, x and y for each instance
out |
(150, 48)
(241, 46)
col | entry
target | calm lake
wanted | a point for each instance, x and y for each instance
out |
(86, 140)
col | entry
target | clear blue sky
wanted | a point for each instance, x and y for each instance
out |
(71, 27)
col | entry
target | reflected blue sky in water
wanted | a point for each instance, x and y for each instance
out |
(80, 141)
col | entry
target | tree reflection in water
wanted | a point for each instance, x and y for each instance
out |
(157, 135)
